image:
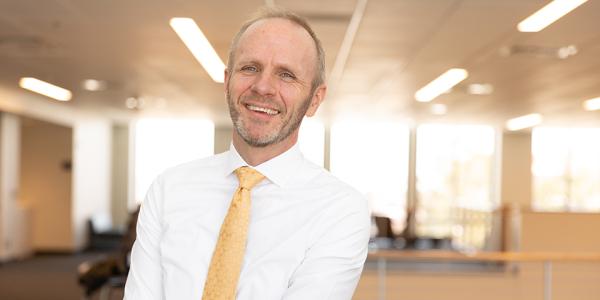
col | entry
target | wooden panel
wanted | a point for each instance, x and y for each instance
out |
(570, 281)
(560, 231)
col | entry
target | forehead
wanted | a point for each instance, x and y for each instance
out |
(277, 39)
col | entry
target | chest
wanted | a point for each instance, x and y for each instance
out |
(278, 237)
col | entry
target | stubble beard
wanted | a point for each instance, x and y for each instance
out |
(267, 138)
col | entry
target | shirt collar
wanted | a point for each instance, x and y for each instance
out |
(278, 170)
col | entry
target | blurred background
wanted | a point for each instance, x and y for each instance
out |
(472, 127)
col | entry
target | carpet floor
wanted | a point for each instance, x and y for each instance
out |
(48, 277)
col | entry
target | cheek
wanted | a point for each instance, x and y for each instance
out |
(239, 86)
(292, 98)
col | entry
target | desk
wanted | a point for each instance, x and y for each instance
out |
(547, 258)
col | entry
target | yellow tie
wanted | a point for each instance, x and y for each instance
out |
(226, 263)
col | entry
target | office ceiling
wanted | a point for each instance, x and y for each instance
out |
(398, 46)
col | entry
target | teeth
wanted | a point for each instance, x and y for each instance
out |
(262, 109)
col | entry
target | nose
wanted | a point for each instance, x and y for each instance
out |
(264, 84)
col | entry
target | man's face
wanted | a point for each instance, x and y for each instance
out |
(269, 88)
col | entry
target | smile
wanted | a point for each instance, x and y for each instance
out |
(268, 111)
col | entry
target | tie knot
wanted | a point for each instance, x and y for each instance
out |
(248, 177)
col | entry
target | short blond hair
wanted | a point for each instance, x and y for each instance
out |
(279, 13)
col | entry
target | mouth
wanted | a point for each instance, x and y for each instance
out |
(260, 109)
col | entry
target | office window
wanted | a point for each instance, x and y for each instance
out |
(566, 169)
(312, 140)
(373, 158)
(163, 143)
(454, 177)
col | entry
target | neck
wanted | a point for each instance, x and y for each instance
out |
(255, 156)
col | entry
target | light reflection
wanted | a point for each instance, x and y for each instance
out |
(311, 140)
(454, 171)
(373, 157)
(566, 169)
(164, 143)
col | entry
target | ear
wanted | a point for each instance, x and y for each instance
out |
(316, 100)
(226, 80)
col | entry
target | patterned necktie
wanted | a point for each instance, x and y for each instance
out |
(226, 263)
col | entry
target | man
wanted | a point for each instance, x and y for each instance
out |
(303, 235)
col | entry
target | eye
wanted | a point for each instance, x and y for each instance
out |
(249, 68)
(287, 75)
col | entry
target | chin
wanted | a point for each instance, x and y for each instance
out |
(261, 141)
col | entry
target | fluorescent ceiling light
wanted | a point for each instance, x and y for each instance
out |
(194, 39)
(523, 122)
(592, 104)
(441, 84)
(548, 15)
(45, 88)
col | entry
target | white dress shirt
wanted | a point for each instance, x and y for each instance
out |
(307, 237)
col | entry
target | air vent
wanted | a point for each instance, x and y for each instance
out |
(539, 51)
(25, 46)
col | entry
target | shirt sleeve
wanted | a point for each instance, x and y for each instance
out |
(333, 263)
(144, 281)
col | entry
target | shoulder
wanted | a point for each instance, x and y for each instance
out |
(342, 212)
(203, 168)
(337, 191)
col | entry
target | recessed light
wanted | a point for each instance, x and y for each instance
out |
(439, 109)
(480, 89)
(131, 103)
(565, 52)
(45, 88)
(93, 85)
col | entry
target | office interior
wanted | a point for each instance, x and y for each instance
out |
(486, 188)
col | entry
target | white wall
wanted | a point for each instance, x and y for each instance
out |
(14, 217)
(91, 174)
(120, 171)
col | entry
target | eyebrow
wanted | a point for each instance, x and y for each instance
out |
(284, 67)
